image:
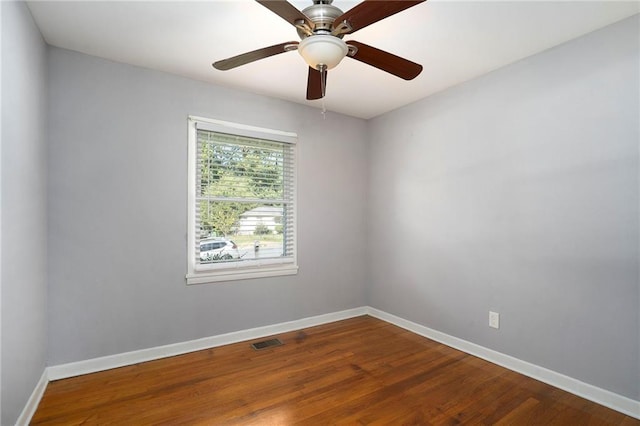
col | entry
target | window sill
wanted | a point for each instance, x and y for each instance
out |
(240, 274)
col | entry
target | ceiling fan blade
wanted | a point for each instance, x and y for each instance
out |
(385, 61)
(370, 11)
(316, 84)
(287, 11)
(245, 58)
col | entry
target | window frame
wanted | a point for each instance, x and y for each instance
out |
(262, 268)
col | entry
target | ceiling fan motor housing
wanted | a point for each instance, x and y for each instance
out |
(322, 14)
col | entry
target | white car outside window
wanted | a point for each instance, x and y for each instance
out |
(218, 249)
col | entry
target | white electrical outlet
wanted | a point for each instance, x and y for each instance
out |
(494, 319)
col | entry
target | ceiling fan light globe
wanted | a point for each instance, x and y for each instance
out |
(324, 50)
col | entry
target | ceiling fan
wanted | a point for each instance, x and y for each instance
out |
(321, 28)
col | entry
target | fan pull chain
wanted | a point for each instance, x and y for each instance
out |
(323, 82)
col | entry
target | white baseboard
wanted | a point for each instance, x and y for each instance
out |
(32, 403)
(601, 396)
(72, 369)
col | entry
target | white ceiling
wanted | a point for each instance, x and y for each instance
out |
(455, 41)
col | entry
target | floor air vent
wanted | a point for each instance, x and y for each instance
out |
(266, 344)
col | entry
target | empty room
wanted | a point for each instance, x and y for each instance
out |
(315, 212)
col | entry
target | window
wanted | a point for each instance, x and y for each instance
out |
(242, 193)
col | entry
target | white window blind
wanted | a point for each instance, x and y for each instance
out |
(242, 202)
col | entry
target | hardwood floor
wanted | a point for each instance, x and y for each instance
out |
(360, 371)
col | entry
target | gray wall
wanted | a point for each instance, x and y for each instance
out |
(23, 211)
(518, 192)
(118, 211)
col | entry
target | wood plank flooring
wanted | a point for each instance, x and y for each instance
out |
(361, 371)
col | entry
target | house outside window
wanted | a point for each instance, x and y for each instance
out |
(263, 220)
(242, 194)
